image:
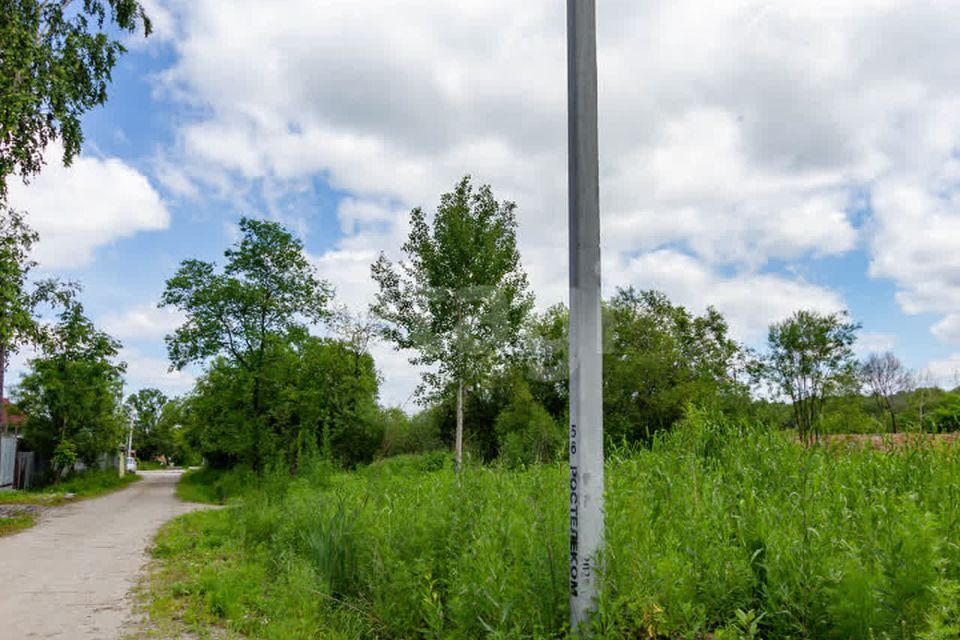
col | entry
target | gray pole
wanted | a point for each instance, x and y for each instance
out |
(586, 362)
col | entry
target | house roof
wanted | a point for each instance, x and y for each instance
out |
(14, 417)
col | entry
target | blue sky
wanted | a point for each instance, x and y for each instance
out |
(757, 156)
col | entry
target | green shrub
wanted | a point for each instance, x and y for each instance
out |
(526, 432)
(215, 486)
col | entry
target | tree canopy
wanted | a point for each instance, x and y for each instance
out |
(810, 358)
(71, 393)
(19, 297)
(56, 62)
(265, 298)
(460, 297)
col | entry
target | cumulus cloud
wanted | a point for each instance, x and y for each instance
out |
(146, 371)
(90, 204)
(948, 329)
(142, 322)
(733, 135)
(869, 342)
(750, 302)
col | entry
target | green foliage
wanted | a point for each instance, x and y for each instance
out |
(18, 298)
(93, 482)
(56, 62)
(404, 434)
(810, 359)
(266, 290)
(527, 433)
(246, 315)
(215, 486)
(658, 358)
(84, 484)
(318, 398)
(15, 523)
(64, 457)
(460, 298)
(72, 390)
(945, 415)
(847, 414)
(717, 529)
(145, 408)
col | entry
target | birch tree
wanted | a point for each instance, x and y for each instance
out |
(56, 61)
(460, 297)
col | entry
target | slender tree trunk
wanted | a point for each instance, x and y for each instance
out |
(257, 460)
(459, 445)
(893, 415)
(3, 405)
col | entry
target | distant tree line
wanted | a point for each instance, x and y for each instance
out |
(288, 375)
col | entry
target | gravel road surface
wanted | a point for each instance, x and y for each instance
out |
(69, 576)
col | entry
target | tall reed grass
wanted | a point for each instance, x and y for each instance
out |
(718, 530)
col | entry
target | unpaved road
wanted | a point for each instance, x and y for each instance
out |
(68, 577)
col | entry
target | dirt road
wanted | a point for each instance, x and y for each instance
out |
(68, 577)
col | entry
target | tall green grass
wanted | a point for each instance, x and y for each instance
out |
(717, 529)
(215, 486)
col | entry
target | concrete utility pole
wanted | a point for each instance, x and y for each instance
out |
(586, 361)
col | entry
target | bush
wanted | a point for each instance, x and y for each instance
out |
(409, 435)
(526, 432)
(215, 486)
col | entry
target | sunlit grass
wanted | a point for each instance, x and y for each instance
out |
(87, 484)
(714, 526)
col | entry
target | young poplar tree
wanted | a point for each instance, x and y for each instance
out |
(460, 298)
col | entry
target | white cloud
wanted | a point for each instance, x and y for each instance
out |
(142, 322)
(733, 133)
(146, 371)
(869, 342)
(948, 329)
(749, 301)
(90, 204)
(945, 372)
(917, 244)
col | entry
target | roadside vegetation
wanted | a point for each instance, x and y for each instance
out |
(732, 510)
(80, 486)
(10, 524)
(21, 510)
(215, 486)
(712, 529)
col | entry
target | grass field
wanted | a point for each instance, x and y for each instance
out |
(716, 532)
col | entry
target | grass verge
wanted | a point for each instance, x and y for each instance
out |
(718, 531)
(214, 486)
(87, 484)
(16, 523)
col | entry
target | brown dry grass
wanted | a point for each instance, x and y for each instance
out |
(887, 441)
